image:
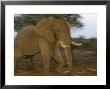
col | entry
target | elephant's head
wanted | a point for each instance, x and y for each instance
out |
(56, 31)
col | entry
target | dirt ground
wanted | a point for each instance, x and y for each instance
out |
(84, 64)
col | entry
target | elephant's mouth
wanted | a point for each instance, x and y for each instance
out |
(64, 44)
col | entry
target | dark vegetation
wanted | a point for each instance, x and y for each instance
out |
(87, 44)
(32, 19)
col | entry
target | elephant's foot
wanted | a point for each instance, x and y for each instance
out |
(63, 71)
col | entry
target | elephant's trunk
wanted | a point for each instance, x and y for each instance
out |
(68, 53)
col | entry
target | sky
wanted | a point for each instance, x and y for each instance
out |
(89, 30)
(90, 27)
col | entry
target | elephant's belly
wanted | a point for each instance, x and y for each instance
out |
(30, 52)
(30, 49)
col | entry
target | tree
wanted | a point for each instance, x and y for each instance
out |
(32, 19)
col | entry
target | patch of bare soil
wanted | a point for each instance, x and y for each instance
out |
(84, 64)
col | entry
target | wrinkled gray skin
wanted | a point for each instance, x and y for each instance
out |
(46, 37)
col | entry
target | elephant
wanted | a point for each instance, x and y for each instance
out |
(46, 37)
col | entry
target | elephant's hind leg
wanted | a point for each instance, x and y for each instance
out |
(17, 56)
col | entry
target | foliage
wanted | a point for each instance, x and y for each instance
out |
(32, 19)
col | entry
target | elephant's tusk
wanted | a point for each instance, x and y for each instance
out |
(63, 45)
(77, 44)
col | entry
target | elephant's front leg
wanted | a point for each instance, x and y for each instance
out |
(58, 57)
(46, 54)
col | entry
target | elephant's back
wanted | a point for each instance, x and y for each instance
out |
(26, 34)
(43, 24)
(27, 39)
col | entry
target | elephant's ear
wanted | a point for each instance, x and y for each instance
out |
(44, 30)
